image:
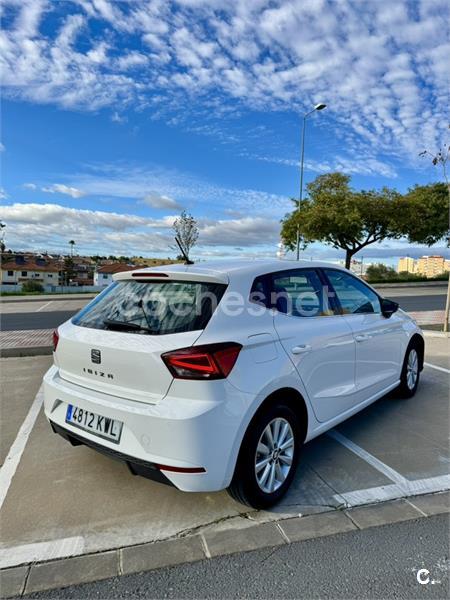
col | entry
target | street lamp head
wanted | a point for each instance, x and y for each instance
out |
(320, 106)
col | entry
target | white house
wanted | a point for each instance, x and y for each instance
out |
(103, 275)
(21, 269)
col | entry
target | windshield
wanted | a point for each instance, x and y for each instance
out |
(152, 308)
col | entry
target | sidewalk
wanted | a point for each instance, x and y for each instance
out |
(428, 317)
(32, 342)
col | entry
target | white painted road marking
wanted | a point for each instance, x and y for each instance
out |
(43, 306)
(437, 367)
(29, 553)
(368, 458)
(15, 452)
(395, 491)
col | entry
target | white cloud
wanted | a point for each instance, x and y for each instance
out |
(159, 201)
(60, 188)
(382, 68)
(3, 194)
(2, 147)
(29, 186)
(50, 226)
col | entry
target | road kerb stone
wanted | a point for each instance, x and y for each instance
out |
(313, 526)
(383, 513)
(254, 537)
(12, 581)
(146, 557)
(72, 571)
(432, 504)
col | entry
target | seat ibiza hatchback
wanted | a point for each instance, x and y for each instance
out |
(214, 375)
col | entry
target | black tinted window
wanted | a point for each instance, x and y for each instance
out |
(258, 292)
(300, 293)
(152, 307)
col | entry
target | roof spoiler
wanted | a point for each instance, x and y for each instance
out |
(168, 275)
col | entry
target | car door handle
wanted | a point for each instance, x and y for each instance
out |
(301, 349)
(363, 337)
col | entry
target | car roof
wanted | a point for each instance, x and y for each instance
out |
(229, 269)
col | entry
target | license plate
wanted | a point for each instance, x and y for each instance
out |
(103, 427)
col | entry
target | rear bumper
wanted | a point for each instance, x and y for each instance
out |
(137, 467)
(180, 432)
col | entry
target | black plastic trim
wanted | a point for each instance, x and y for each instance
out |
(135, 465)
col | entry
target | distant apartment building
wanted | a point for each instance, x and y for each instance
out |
(430, 266)
(426, 266)
(406, 264)
(103, 276)
(19, 269)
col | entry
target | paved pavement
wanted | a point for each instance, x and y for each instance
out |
(374, 563)
(63, 501)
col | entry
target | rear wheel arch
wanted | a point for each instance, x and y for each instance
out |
(293, 399)
(418, 343)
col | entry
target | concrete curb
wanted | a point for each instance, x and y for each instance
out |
(435, 334)
(407, 284)
(47, 297)
(26, 351)
(35, 577)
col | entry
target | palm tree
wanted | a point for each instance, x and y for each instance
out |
(71, 244)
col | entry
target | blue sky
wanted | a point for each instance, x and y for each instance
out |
(117, 115)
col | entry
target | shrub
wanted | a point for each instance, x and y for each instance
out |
(32, 286)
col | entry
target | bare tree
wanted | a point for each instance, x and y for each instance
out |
(186, 233)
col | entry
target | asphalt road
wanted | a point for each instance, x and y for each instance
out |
(381, 562)
(50, 319)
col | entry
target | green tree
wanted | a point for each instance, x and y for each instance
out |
(380, 272)
(186, 231)
(423, 213)
(336, 214)
(32, 286)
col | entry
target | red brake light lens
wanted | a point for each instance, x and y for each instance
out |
(211, 361)
(55, 340)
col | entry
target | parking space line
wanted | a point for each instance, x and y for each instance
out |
(368, 458)
(443, 369)
(395, 491)
(39, 309)
(15, 452)
(40, 551)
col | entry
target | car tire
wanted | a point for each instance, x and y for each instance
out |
(409, 379)
(263, 473)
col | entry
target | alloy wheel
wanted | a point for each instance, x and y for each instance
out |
(412, 369)
(274, 455)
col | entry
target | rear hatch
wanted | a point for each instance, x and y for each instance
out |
(114, 344)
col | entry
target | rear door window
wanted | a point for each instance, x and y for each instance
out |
(300, 293)
(152, 308)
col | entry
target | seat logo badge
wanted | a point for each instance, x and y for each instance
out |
(96, 356)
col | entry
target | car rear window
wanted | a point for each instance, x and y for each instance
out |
(152, 308)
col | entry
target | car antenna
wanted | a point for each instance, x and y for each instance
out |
(183, 252)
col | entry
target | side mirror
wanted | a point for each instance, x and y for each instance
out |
(388, 307)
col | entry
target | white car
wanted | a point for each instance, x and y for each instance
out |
(212, 376)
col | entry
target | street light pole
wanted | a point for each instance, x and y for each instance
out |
(320, 106)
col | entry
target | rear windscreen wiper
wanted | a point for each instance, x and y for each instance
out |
(126, 325)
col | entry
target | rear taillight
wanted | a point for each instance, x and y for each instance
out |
(211, 361)
(55, 340)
